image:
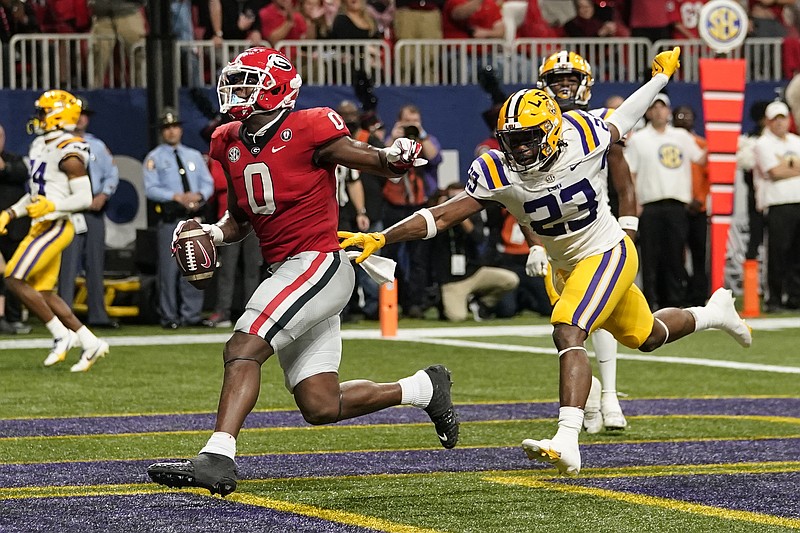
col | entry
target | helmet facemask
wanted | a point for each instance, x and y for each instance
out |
(529, 130)
(555, 68)
(525, 149)
(259, 80)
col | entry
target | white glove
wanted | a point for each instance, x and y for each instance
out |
(214, 231)
(402, 154)
(536, 265)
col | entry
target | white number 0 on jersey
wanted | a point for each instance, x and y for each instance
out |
(260, 194)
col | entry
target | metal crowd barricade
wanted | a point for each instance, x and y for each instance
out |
(209, 60)
(335, 62)
(612, 60)
(446, 61)
(763, 57)
(67, 60)
(43, 61)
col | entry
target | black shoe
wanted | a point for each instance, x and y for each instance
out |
(170, 325)
(201, 324)
(105, 325)
(440, 409)
(415, 311)
(20, 328)
(211, 471)
(5, 327)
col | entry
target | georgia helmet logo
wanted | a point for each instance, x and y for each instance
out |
(278, 61)
(234, 154)
(286, 135)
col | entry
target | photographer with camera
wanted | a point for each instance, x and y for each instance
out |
(403, 198)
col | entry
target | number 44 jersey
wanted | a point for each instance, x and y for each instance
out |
(567, 205)
(288, 197)
(44, 157)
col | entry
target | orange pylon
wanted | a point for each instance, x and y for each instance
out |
(750, 307)
(388, 309)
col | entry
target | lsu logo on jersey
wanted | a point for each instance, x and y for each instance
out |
(670, 156)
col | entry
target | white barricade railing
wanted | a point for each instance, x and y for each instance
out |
(199, 62)
(612, 60)
(446, 61)
(71, 61)
(335, 62)
(763, 57)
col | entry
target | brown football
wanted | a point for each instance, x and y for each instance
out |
(196, 255)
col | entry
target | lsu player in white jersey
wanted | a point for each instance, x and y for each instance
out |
(59, 186)
(547, 175)
(567, 77)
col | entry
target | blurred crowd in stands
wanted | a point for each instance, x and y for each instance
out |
(125, 22)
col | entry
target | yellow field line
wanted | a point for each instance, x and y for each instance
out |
(331, 515)
(651, 501)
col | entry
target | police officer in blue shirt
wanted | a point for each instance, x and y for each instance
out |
(177, 185)
(89, 245)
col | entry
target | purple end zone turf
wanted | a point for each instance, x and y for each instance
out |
(769, 493)
(414, 461)
(164, 513)
(46, 427)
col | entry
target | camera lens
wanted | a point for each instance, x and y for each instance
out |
(412, 132)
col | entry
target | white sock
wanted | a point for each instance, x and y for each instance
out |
(704, 317)
(570, 422)
(609, 400)
(417, 389)
(56, 328)
(86, 337)
(605, 350)
(221, 443)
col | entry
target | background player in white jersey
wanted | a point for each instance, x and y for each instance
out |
(547, 176)
(59, 186)
(567, 77)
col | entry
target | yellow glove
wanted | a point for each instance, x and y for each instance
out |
(40, 207)
(667, 62)
(370, 242)
(5, 218)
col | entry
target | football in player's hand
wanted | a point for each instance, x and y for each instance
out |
(196, 254)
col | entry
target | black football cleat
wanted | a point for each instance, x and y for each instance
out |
(440, 408)
(211, 471)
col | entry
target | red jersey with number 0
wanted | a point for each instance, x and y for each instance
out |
(290, 201)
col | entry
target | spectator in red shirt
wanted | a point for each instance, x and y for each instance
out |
(535, 26)
(651, 19)
(281, 20)
(479, 19)
(587, 23)
(685, 15)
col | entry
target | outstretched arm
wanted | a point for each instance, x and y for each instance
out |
(632, 109)
(390, 162)
(424, 224)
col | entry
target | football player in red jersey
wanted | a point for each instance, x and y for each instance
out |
(279, 165)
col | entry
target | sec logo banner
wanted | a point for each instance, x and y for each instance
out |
(723, 25)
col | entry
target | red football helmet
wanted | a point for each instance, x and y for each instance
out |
(257, 81)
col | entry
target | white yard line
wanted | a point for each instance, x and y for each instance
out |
(444, 336)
